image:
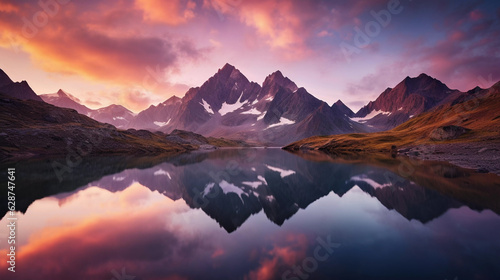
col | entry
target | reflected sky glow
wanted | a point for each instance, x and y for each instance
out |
(88, 233)
(97, 231)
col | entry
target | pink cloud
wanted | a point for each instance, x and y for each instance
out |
(172, 12)
(466, 56)
(476, 15)
(324, 33)
(289, 27)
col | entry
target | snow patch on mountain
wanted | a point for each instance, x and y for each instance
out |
(364, 178)
(160, 172)
(270, 198)
(207, 107)
(228, 187)
(283, 173)
(161, 124)
(253, 185)
(208, 188)
(118, 179)
(282, 121)
(370, 116)
(228, 108)
(262, 179)
(252, 111)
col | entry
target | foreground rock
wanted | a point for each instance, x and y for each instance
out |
(448, 132)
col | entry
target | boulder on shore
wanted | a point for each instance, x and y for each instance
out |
(447, 132)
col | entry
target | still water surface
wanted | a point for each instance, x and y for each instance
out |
(256, 214)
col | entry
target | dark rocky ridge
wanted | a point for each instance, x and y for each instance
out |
(20, 90)
(409, 98)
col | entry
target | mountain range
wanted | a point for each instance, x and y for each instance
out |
(275, 113)
(229, 105)
(116, 115)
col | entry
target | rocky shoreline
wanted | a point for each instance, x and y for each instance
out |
(481, 156)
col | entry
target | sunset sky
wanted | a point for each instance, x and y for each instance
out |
(141, 52)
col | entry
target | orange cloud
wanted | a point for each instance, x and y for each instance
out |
(172, 12)
(8, 7)
(281, 257)
(75, 41)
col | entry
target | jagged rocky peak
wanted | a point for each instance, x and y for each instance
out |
(425, 82)
(278, 78)
(339, 103)
(425, 76)
(61, 93)
(228, 76)
(4, 79)
(422, 76)
(172, 100)
(227, 68)
(111, 110)
(475, 90)
(228, 71)
(342, 108)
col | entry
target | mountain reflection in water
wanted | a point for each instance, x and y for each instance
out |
(145, 215)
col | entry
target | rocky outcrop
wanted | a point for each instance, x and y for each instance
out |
(448, 132)
(20, 90)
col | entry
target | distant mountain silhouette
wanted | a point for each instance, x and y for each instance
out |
(116, 115)
(66, 100)
(19, 90)
(4, 79)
